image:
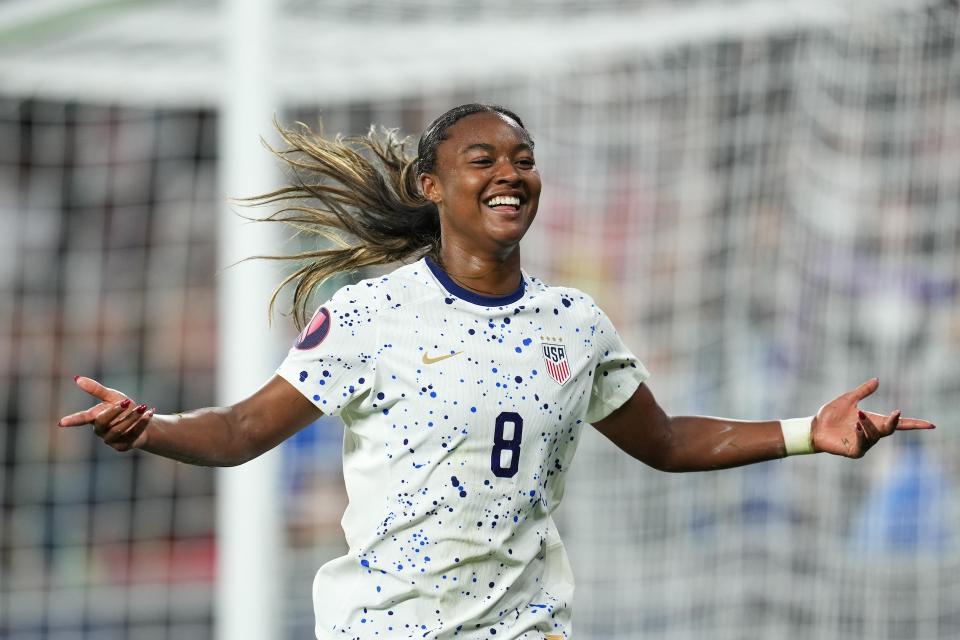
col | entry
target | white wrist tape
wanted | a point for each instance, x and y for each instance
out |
(797, 436)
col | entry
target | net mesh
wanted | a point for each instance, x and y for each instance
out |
(107, 271)
(413, 11)
(769, 219)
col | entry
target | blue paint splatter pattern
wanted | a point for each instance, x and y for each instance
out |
(421, 372)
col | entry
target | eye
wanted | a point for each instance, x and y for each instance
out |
(482, 162)
(526, 163)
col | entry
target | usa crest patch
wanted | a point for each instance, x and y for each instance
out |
(555, 360)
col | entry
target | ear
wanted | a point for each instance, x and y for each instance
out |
(430, 188)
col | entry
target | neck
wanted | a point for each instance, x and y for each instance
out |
(492, 275)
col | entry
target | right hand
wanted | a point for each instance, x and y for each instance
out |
(116, 419)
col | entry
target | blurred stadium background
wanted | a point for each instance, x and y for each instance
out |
(764, 195)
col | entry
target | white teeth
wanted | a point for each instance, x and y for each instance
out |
(510, 200)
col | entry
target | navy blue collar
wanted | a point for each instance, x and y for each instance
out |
(472, 296)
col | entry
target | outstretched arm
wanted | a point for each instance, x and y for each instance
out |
(698, 443)
(216, 436)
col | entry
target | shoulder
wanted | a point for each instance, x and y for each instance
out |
(363, 298)
(566, 300)
(388, 291)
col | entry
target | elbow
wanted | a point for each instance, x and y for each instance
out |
(226, 457)
(241, 444)
(662, 462)
(655, 456)
(233, 461)
(662, 455)
(234, 456)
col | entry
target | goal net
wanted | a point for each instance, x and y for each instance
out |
(107, 271)
(767, 206)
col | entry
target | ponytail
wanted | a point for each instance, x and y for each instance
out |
(364, 187)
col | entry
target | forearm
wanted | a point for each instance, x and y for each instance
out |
(700, 443)
(697, 443)
(210, 437)
(215, 437)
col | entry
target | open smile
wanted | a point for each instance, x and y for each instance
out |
(504, 204)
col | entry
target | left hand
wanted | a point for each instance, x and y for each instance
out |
(841, 428)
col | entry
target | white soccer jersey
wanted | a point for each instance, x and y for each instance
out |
(462, 414)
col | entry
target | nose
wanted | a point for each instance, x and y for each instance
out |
(507, 173)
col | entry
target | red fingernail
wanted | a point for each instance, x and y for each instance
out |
(125, 403)
(861, 414)
(141, 408)
(75, 378)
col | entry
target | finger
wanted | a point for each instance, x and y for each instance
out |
(869, 428)
(864, 389)
(890, 424)
(105, 417)
(97, 390)
(149, 413)
(125, 437)
(862, 443)
(130, 436)
(906, 424)
(117, 430)
(119, 423)
(81, 417)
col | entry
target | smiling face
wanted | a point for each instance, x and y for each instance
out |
(485, 184)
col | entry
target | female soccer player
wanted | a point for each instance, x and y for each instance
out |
(463, 383)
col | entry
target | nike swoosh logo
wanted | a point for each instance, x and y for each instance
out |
(428, 360)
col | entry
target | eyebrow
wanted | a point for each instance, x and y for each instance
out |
(483, 146)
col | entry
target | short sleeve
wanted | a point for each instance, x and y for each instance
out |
(618, 372)
(333, 360)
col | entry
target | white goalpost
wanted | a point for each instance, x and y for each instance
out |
(249, 517)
